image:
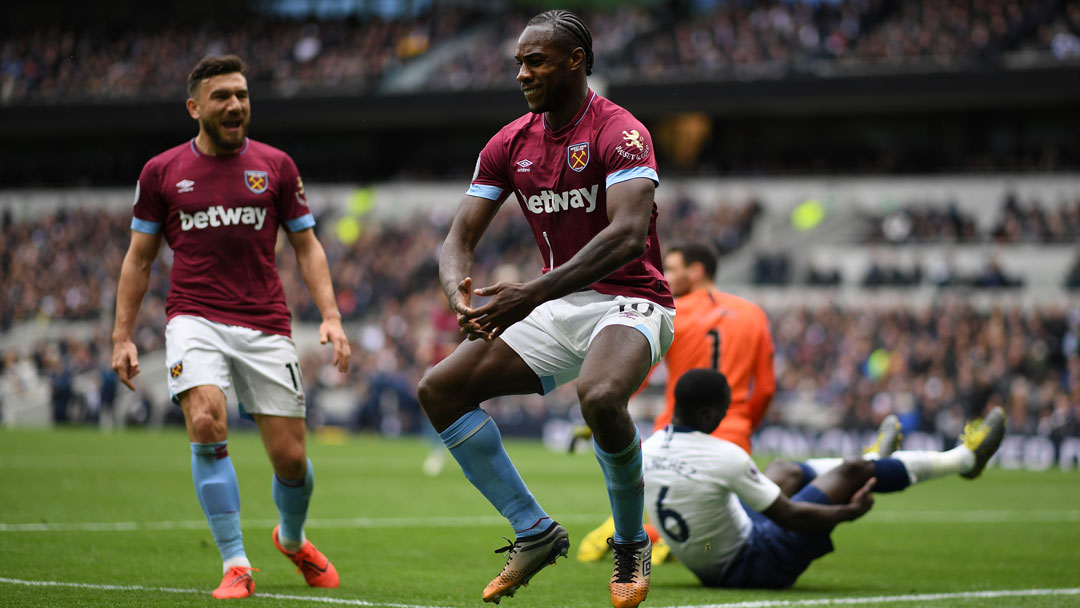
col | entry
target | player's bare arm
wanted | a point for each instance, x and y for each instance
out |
(797, 515)
(134, 279)
(311, 259)
(629, 209)
(473, 216)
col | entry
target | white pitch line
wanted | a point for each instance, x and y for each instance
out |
(346, 523)
(897, 517)
(839, 601)
(882, 599)
(974, 516)
(276, 596)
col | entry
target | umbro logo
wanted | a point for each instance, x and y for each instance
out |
(523, 165)
(184, 185)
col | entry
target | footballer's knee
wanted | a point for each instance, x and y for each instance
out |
(856, 469)
(206, 429)
(787, 475)
(603, 405)
(204, 410)
(288, 459)
(427, 392)
(601, 401)
(441, 400)
(430, 392)
(205, 426)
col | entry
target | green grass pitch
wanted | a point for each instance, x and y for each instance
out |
(399, 538)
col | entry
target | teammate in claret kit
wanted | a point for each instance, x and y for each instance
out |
(219, 199)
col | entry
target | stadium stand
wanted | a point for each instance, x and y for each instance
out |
(287, 57)
(470, 49)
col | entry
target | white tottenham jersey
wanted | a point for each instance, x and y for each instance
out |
(693, 483)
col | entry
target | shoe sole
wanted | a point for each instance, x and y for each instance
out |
(990, 444)
(888, 438)
(891, 437)
(560, 548)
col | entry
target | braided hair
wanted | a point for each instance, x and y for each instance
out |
(571, 29)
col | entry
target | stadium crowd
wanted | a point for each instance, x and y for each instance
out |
(718, 38)
(835, 366)
(935, 367)
(286, 57)
(1017, 221)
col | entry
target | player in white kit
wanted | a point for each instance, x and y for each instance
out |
(734, 526)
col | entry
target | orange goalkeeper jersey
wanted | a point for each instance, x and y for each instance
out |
(726, 333)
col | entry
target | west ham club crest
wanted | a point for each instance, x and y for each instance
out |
(256, 181)
(577, 156)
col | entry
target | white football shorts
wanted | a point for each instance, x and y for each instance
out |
(554, 339)
(264, 367)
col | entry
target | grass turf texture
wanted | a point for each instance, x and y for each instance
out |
(1006, 530)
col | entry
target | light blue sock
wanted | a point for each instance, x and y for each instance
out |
(476, 444)
(291, 498)
(219, 495)
(625, 487)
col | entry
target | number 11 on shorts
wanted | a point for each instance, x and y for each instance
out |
(294, 374)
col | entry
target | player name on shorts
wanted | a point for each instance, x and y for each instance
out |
(553, 202)
(220, 216)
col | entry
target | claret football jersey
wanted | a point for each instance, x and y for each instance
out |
(560, 179)
(220, 215)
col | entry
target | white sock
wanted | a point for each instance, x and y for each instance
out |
(292, 546)
(922, 466)
(232, 562)
(823, 465)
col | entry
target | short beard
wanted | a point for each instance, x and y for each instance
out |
(543, 107)
(216, 138)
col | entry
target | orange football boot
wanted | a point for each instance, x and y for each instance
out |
(317, 570)
(633, 565)
(236, 584)
(524, 558)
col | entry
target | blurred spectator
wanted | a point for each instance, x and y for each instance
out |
(1035, 223)
(921, 222)
(1072, 279)
(772, 268)
(993, 276)
(880, 274)
(819, 276)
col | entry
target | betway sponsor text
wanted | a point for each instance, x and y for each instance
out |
(220, 216)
